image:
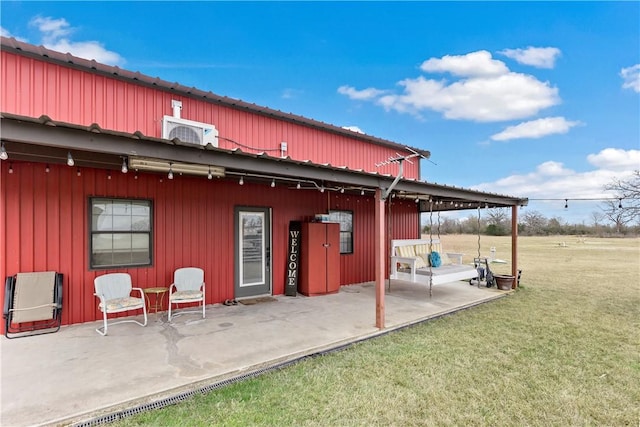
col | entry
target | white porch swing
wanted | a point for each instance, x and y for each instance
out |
(416, 260)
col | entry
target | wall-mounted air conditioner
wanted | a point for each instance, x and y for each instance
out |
(189, 131)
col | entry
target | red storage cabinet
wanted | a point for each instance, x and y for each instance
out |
(319, 259)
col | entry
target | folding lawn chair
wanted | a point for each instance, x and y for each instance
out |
(32, 303)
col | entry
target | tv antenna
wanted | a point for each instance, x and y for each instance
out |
(399, 159)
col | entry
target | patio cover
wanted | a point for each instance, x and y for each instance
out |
(45, 140)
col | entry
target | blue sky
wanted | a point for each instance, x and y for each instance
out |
(540, 100)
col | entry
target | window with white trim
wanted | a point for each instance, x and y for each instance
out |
(120, 232)
(345, 219)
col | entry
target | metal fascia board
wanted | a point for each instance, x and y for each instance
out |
(32, 132)
(77, 139)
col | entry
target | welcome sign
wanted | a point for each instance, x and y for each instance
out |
(293, 259)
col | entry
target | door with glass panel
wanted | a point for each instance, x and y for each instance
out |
(253, 252)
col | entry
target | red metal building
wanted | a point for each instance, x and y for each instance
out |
(228, 206)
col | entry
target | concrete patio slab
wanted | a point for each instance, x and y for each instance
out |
(75, 375)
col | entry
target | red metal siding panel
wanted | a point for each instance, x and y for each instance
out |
(25, 225)
(84, 98)
(46, 227)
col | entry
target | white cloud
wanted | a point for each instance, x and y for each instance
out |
(87, 50)
(6, 33)
(551, 180)
(631, 77)
(486, 92)
(477, 63)
(353, 129)
(616, 159)
(364, 94)
(541, 57)
(51, 29)
(484, 99)
(552, 168)
(55, 34)
(536, 129)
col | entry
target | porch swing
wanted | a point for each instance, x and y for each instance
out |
(424, 261)
(484, 277)
(481, 264)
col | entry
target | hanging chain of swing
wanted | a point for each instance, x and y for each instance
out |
(431, 245)
(478, 231)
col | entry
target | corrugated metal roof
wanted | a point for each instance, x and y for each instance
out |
(66, 59)
(406, 187)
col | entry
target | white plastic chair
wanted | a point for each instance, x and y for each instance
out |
(187, 287)
(114, 292)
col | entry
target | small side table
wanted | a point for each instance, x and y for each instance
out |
(159, 292)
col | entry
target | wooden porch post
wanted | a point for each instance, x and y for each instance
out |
(380, 257)
(514, 244)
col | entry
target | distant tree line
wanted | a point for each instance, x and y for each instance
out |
(618, 216)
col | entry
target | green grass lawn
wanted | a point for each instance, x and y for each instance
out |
(562, 350)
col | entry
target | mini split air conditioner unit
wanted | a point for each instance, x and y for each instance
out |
(188, 131)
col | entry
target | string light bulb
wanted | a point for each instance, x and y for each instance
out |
(209, 175)
(241, 182)
(47, 169)
(78, 172)
(273, 183)
(108, 174)
(619, 203)
(124, 168)
(10, 167)
(566, 203)
(298, 185)
(70, 161)
(362, 192)
(170, 175)
(3, 153)
(322, 189)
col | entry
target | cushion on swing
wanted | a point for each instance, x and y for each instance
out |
(408, 251)
(434, 259)
(421, 249)
(444, 259)
(420, 262)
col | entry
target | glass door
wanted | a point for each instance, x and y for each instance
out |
(253, 252)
